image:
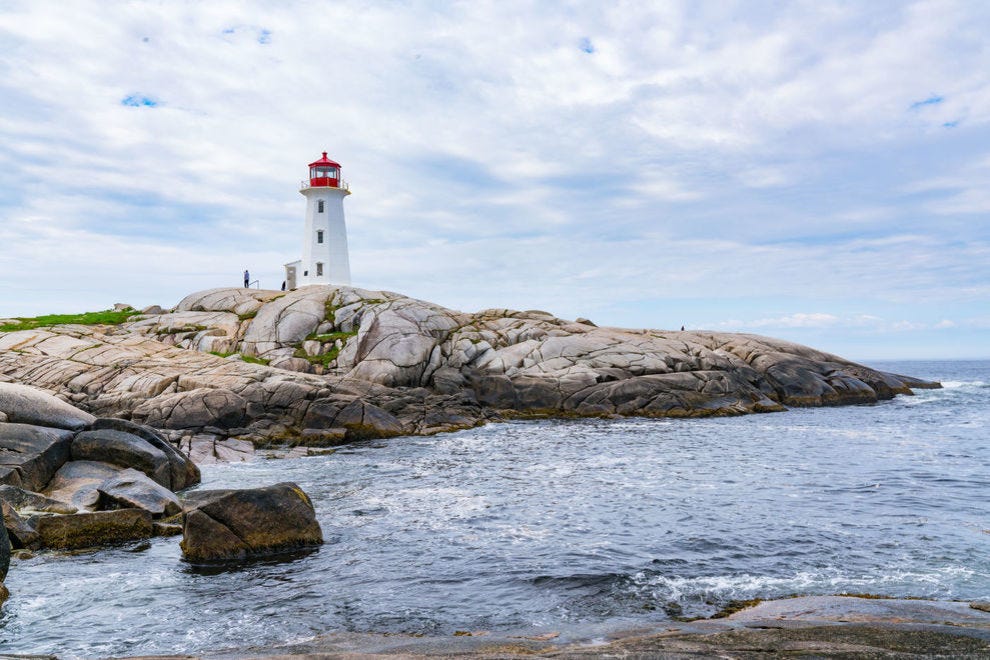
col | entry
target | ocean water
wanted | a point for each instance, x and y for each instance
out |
(563, 526)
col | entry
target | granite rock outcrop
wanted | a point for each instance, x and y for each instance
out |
(323, 365)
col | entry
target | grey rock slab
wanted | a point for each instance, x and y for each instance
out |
(853, 609)
(26, 501)
(32, 454)
(86, 530)
(124, 450)
(133, 489)
(194, 408)
(184, 472)
(77, 483)
(29, 405)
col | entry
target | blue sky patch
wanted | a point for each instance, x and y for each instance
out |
(951, 124)
(139, 101)
(586, 45)
(934, 99)
(264, 36)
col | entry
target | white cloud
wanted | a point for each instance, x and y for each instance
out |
(699, 151)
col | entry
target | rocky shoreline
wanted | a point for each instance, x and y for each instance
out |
(231, 369)
(807, 626)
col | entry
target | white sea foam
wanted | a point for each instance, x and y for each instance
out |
(827, 581)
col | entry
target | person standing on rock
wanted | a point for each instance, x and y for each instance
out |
(247, 279)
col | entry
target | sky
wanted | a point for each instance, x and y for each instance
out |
(814, 171)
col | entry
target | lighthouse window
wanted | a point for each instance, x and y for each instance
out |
(319, 235)
(319, 208)
(319, 269)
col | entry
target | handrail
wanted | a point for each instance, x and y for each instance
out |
(343, 185)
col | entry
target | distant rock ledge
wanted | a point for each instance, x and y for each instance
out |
(322, 365)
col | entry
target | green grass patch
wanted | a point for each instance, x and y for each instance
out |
(331, 336)
(247, 315)
(326, 359)
(244, 358)
(106, 317)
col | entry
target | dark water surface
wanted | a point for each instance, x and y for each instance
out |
(563, 526)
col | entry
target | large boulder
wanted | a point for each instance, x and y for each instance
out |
(29, 405)
(30, 455)
(183, 471)
(86, 530)
(225, 525)
(131, 489)
(194, 408)
(78, 483)
(124, 450)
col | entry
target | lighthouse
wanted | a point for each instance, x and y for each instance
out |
(324, 256)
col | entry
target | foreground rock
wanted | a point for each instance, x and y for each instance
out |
(335, 364)
(226, 525)
(86, 530)
(809, 627)
(66, 488)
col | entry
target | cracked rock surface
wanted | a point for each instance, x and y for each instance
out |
(224, 525)
(329, 364)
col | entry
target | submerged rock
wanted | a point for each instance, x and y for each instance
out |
(225, 525)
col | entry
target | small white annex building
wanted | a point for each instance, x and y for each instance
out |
(324, 257)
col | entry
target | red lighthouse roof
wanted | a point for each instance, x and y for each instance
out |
(324, 161)
(325, 173)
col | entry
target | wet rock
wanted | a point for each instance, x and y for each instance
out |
(183, 471)
(160, 528)
(4, 555)
(29, 501)
(133, 489)
(30, 455)
(86, 530)
(29, 405)
(224, 525)
(22, 534)
(78, 483)
(123, 450)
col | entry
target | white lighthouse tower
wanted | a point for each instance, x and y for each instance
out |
(324, 258)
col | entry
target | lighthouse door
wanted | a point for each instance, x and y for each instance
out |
(290, 278)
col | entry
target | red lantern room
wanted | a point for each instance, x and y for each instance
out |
(324, 173)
